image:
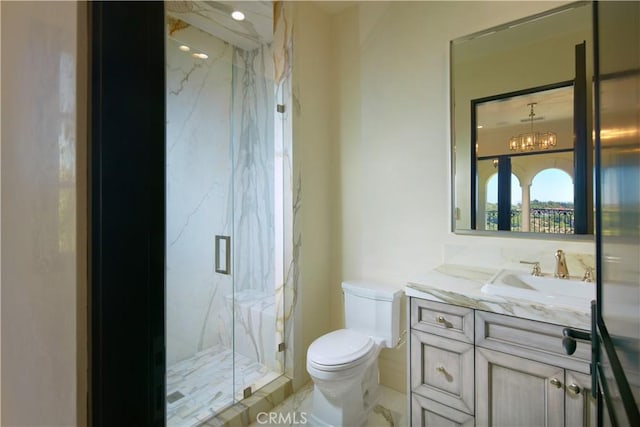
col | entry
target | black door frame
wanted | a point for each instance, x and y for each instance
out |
(127, 214)
(610, 384)
(581, 148)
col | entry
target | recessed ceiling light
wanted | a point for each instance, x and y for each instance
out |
(184, 48)
(200, 55)
(480, 126)
(237, 15)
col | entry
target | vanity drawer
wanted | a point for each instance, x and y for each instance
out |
(442, 370)
(426, 412)
(533, 340)
(446, 320)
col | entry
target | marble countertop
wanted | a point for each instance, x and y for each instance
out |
(461, 285)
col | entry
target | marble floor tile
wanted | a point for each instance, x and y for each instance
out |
(203, 385)
(391, 410)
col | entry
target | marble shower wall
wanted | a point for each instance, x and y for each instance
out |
(221, 179)
(288, 291)
(255, 257)
(253, 171)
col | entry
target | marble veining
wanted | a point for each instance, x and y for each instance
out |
(229, 172)
(213, 16)
(478, 274)
(199, 387)
(461, 285)
(222, 179)
(390, 411)
(253, 171)
(579, 254)
(199, 176)
(254, 314)
(291, 195)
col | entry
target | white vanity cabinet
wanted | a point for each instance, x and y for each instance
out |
(471, 367)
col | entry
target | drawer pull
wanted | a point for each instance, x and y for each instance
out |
(444, 373)
(555, 382)
(574, 389)
(441, 320)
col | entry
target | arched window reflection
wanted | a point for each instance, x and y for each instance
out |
(551, 205)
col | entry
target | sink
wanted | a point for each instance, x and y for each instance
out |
(568, 293)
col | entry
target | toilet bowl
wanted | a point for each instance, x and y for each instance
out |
(343, 364)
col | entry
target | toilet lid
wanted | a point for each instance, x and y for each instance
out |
(341, 347)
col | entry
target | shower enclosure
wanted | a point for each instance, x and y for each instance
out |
(224, 216)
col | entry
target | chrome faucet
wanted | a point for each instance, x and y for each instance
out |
(562, 271)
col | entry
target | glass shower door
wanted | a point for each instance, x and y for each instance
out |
(257, 253)
(223, 186)
(199, 181)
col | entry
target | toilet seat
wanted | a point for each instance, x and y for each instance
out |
(340, 350)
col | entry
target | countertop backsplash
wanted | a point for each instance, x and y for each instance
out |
(579, 255)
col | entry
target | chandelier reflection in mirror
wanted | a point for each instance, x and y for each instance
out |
(532, 140)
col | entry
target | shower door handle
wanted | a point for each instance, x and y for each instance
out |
(223, 254)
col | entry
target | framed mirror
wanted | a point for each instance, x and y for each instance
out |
(522, 149)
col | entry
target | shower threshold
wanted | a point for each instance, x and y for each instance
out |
(200, 387)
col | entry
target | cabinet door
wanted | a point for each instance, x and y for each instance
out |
(442, 370)
(427, 413)
(580, 406)
(513, 391)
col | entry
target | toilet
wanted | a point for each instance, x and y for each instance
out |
(343, 364)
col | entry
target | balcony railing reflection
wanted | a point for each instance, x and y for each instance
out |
(542, 220)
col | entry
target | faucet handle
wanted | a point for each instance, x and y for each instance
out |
(588, 275)
(536, 270)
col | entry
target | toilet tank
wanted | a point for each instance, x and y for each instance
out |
(373, 309)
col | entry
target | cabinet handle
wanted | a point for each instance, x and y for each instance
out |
(574, 389)
(441, 320)
(447, 376)
(555, 382)
(569, 339)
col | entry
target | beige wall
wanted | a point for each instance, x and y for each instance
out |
(314, 150)
(389, 119)
(43, 271)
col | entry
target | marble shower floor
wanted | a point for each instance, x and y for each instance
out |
(391, 410)
(201, 386)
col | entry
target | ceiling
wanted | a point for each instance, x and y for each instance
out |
(214, 17)
(552, 105)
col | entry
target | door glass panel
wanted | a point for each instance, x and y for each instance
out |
(619, 206)
(223, 180)
(255, 308)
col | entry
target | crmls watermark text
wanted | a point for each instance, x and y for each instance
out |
(290, 418)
